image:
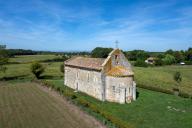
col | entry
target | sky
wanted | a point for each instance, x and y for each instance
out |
(82, 25)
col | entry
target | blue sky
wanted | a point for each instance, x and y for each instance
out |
(64, 25)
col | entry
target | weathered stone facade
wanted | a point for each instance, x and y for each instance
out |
(108, 79)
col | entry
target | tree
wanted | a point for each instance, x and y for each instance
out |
(179, 57)
(177, 77)
(169, 59)
(140, 63)
(170, 52)
(100, 52)
(189, 54)
(137, 54)
(37, 69)
(62, 68)
(3, 58)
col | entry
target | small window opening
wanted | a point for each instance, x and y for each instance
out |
(77, 74)
(113, 88)
(88, 77)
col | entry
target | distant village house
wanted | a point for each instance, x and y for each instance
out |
(150, 60)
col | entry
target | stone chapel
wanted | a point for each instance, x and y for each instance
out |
(110, 79)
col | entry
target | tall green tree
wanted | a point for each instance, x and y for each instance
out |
(100, 52)
(137, 55)
(169, 59)
(37, 69)
(3, 58)
(179, 56)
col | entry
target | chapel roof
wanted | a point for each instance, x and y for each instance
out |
(120, 71)
(86, 62)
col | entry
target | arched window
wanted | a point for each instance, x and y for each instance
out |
(116, 59)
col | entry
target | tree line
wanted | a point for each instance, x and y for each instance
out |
(139, 56)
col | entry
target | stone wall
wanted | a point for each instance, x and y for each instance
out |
(119, 89)
(83, 80)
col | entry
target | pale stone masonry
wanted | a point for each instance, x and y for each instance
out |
(110, 79)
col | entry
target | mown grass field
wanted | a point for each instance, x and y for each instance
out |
(22, 71)
(163, 77)
(31, 58)
(24, 105)
(150, 110)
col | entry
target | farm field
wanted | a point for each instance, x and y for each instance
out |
(22, 71)
(31, 58)
(152, 76)
(25, 105)
(152, 109)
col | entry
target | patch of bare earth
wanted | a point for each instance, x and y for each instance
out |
(81, 116)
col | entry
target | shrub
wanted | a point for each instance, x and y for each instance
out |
(73, 96)
(158, 62)
(83, 102)
(140, 63)
(62, 68)
(37, 69)
(177, 77)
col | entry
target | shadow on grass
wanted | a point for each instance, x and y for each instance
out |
(13, 77)
(137, 94)
(50, 77)
(46, 77)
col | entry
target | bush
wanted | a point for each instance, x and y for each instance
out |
(141, 63)
(159, 62)
(83, 102)
(62, 68)
(177, 77)
(73, 97)
(37, 69)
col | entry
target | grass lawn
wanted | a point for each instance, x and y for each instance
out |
(24, 105)
(22, 71)
(31, 58)
(163, 77)
(151, 110)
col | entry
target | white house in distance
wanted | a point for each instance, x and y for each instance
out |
(150, 60)
(110, 79)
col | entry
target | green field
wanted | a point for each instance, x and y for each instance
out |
(24, 105)
(163, 77)
(152, 76)
(22, 71)
(152, 109)
(31, 58)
